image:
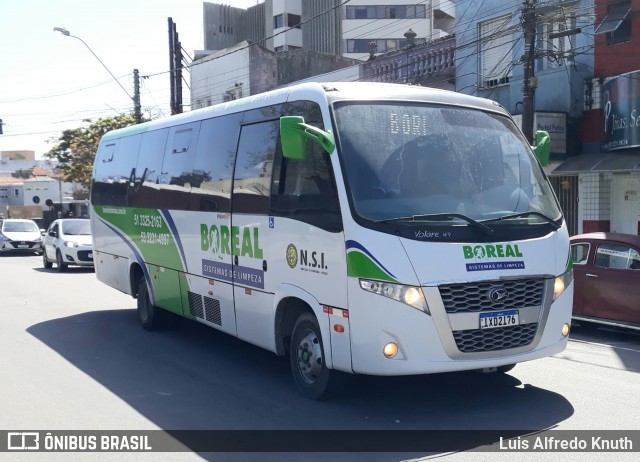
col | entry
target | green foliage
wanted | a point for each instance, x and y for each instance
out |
(76, 149)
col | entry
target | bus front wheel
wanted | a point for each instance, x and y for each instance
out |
(307, 357)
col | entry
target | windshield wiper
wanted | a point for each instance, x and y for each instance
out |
(551, 221)
(442, 216)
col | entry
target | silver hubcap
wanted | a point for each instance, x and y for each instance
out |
(309, 357)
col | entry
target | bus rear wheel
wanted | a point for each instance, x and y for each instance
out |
(307, 358)
(147, 312)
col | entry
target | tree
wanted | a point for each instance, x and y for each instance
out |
(76, 148)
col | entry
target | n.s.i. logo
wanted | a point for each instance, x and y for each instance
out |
(292, 256)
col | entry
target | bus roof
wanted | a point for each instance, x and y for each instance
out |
(328, 92)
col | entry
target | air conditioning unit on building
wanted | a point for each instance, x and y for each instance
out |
(490, 83)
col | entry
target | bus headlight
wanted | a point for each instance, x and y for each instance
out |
(409, 295)
(561, 283)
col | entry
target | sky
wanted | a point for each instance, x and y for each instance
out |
(50, 82)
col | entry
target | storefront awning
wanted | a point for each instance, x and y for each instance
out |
(600, 162)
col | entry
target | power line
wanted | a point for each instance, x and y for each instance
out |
(460, 45)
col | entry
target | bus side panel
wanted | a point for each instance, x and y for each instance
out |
(253, 299)
(166, 288)
(110, 255)
(204, 243)
(112, 270)
(304, 256)
(209, 301)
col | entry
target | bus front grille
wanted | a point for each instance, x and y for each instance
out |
(476, 297)
(501, 338)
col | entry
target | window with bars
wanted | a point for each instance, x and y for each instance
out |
(495, 51)
(382, 45)
(386, 12)
(558, 51)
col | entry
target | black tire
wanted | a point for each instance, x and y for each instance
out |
(306, 355)
(148, 314)
(62, 267)
(45, 262)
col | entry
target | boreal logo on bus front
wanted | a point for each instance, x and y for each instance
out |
(479, 252)
(485, 255)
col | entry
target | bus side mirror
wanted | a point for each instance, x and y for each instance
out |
(294, 134)
(542, 149)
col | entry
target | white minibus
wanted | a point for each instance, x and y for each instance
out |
(367, 228)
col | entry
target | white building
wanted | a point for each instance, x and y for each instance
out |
(385, 23)
(328, 35)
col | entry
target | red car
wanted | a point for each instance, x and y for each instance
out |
(606, 274)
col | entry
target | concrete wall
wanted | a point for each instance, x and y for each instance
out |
(225, 26)
(221, 74)
(322, 28)
(302, 64)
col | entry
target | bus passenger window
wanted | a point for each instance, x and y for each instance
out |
(214, 162)
(305, 190)
(252, 177)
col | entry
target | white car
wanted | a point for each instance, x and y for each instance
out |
(18, 235)
(68, 242)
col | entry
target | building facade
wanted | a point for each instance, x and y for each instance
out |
(384, 23)
(328, 26)
(28, 186)
(18, 155)
(583, 57)
(225, 25)
(248, 68)
(608, 171)
(431, 64)
(490, 58)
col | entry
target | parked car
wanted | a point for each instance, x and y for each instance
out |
(606, 273)
(18, 235)
(68, 242)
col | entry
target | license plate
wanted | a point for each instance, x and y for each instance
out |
(499, 319)
(23, 246)
(91, 255)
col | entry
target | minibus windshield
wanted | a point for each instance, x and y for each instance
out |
(413, 162)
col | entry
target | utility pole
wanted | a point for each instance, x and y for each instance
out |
(529, 83)
(175, 67)
(137, 110)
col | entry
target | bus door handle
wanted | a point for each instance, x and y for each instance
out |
(264, 265)
(589, 275)
(235, 260)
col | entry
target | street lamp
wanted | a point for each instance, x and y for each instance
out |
(136, 100)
